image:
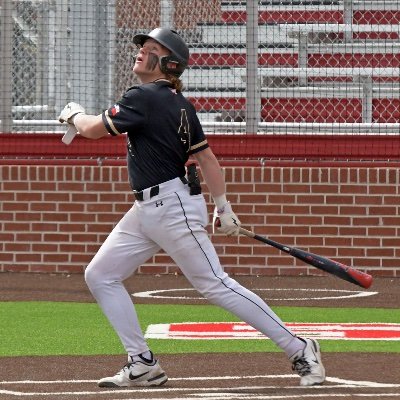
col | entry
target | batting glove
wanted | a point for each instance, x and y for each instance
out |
(70, 134)
(69, 111)
(226, 220)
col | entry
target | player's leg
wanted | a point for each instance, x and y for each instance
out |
(124, 250)
(189, 245)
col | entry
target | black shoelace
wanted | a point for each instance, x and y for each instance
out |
(301, 366)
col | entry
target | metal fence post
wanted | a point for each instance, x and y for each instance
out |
(348, 19)
(167, 14)
(6, 25)
(106, 29)
(252, 82)
(366, 82)
(303, 56)
(84, 48)
(60, 47)
(112, 32)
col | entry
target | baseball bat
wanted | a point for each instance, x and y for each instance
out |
(342, 271)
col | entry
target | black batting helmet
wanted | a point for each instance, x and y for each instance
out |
(177, 61)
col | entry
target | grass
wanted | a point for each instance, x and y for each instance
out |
(57, 328)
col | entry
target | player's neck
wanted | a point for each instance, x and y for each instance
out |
(147, 78)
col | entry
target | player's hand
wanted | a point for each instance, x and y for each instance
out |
(69, 111)
(226, 220)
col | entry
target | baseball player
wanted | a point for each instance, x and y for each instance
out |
(169, 213)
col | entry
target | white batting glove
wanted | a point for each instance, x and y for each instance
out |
(226, 220)
(69, 111)
(70, 134)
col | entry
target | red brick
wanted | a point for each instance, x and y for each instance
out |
(366, 221)
(28, 257)
(45, 247)
(43, 206)
(15, 186)
(54, 217)
(28, 196)
(43, 186)
(76, 258)
(251, 260)
(7, 196)
(17, 247)
(6, 257)
(70, 207)
(55, 258)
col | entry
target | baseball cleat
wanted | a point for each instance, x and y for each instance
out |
(136, 373)
(307, 363)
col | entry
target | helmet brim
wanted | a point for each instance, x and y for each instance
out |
(140, 38)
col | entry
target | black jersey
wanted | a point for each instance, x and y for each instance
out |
(162, 130)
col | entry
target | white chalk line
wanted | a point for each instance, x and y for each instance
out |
(156, 294)
(231, 396)
(208, 392)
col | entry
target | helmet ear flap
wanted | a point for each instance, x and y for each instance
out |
(171, 65)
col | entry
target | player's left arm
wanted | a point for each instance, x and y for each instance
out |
(211, 171)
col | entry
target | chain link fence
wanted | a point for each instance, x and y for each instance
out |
(326, 66)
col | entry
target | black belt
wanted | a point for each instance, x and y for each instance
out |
(154, 190)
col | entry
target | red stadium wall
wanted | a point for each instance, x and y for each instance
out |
(53, 218)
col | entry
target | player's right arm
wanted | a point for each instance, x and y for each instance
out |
(90, 126)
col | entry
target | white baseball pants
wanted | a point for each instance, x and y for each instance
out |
(175, 222)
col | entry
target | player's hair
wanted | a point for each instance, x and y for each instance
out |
(176, 82)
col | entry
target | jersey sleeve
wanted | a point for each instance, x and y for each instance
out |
(128, 113)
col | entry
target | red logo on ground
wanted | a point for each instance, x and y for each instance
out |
(240, 330)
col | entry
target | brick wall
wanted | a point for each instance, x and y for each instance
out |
(54, 218)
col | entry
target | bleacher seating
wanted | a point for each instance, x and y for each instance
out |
(310, 68)
(289, 34)
(373, 55)
(225, 78)
(364, 12)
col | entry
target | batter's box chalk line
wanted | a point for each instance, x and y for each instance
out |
(210, 393)
(316, 294)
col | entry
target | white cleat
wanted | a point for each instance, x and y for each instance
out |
(137, 373)
(307, 363)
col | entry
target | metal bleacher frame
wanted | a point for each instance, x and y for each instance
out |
(300, 38)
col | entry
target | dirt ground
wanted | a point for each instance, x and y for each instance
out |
(204, 376)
